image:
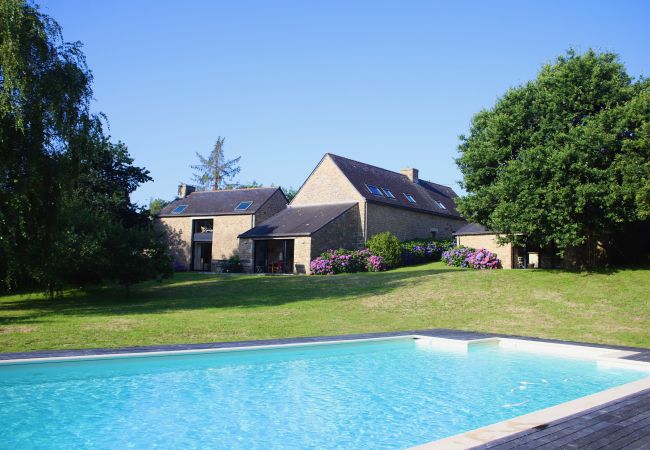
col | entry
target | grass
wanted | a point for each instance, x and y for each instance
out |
(609, 307)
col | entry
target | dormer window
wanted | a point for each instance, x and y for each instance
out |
(388, 193)
(440, 205)
(243, 206)
(179, 209)
(374, 190)
(410, 198)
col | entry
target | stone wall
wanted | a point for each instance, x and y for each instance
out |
(409, 224)
(224, 235)
(246, 254)
(179, 237)
(326, 184)
(302, 254)
(343, 232)
(273, 205)
(225, 230)
(489, 242)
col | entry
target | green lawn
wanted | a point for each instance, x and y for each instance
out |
(611, 307)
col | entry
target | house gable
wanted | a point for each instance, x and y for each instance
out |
(326, 184)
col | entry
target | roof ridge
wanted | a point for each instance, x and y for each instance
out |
(385, 170)
(437, 184)
(366, 164)
(235, 190)
(320, 204)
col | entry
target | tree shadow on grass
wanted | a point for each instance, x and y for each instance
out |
(193, 292)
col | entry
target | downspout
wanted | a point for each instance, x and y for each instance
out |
(365, 221)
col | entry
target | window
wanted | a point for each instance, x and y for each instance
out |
(203, 225)
(410, 198)
(243, 206)
(440, 205)
(374, 190)
(179, 209)
(388, 192)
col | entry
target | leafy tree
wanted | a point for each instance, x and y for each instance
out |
(156, 205)
(214, 171)
(563, 160)
(44, 97)
(253, 184)
(64, 187)
(289, 192)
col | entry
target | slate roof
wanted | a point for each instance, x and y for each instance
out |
(218, 203)
(424, 192)
(473, 228)
(298, 220)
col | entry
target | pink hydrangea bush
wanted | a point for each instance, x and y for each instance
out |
(332, 262)
(483, 259)
(471, 258)
(376, 264)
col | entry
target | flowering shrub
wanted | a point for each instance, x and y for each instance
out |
(322, 266)
(347, 261)
(376, 264)
(457, 256)
(386, 245)
(484, 259)
(469, 257)
(421, 250)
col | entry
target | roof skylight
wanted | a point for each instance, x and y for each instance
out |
(388, 192)
(243, 206)
(374, 190)
(179, 209)
(440, 205)
(410, 198)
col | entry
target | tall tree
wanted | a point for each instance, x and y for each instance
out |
(156, 205)
(289, 192)
(562, 160)
(44, 109)
(214, 171)
(64, 187)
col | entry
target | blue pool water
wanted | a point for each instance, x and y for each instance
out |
(382, 394)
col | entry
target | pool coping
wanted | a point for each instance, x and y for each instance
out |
(630, 357)
(642, 354)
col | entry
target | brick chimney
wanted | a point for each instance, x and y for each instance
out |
(410, 173)
(184, 190)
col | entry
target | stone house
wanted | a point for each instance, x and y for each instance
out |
(203, 227)
(512, 257)
(343, 203)
(477, 236)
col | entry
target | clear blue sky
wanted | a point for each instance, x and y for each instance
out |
(388, 83)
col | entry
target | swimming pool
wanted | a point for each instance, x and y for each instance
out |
(389, 393)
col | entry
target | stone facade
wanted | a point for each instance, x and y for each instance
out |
(302, 254)
(343, 232)
(271, 207)
(225, 231)
(408, 224)
(179, 236)
(224, 236)
(246, 254)
(326, 184)
(225, 241)
(489, 242)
